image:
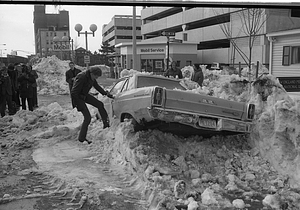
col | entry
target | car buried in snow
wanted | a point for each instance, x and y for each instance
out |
(154, 101)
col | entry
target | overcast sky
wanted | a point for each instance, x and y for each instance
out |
(17, 31)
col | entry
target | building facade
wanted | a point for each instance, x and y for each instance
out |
(120, 30)
(203, 25)
(151, 56)
(48, 26)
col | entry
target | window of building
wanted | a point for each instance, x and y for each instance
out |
(188, 63)
(286, 56)
(65, 34)
(54, 33)
(50, 33)
(214, 44)
(290, 55)
(47, 34)
(185, 37)
(295, 13)
(295, 55)
(47, 42)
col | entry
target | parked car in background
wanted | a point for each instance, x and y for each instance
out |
(152, 101)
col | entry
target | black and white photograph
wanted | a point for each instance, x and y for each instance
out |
(149, 105)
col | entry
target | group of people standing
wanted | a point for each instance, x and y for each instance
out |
(18, 88)
(175, 72)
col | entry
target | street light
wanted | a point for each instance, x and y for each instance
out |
(63, 45)
(93, 28)
(1, 54)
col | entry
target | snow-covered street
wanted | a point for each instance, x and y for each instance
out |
(43, 166)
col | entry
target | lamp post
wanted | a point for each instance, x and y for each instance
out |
(1, 54)
(93, 28)
(64, 44)
(1, 50)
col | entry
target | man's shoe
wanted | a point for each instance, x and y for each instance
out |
(106, 123)
(89, 142)
(106, 126)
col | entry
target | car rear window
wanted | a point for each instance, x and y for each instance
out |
(162, 82)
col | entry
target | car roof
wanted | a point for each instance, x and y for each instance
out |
(154, 76)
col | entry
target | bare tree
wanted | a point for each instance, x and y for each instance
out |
(252, 21)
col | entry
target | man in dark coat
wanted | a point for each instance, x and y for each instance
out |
(84, 81)
(18, 70)
(34, 85)
(173, 71)
(198, 75)
(6, 92)
(70, 76)
(26, 81)
(13, 77)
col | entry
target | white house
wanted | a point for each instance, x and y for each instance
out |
(284, 60)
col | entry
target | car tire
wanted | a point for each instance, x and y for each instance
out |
(136, 125)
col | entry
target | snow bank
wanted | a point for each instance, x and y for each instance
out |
(277, 127)
(51, 72)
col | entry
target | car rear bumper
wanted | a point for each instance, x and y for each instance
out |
(201, 122)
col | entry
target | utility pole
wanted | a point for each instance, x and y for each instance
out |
(134, 55)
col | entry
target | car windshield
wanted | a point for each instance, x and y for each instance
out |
(162, 82)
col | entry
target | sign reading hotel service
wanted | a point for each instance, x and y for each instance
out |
(290, 84)
(152, 50)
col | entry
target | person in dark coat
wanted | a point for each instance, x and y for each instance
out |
(13, 77)
(173, 71)
(83, 82)
(198, 75)
(6, 92)
(18, 70)
(70, 76)
(26, 81)
(34, 85)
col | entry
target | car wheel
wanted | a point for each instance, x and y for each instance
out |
(136, 125)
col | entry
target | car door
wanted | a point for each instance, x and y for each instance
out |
(115, 91)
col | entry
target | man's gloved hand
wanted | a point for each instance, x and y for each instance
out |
(109, 95)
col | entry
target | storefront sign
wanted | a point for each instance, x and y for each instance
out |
(152, 50)
(61, 47)
(290, 84)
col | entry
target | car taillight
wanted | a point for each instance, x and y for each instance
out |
(158, 96)
(251, 111)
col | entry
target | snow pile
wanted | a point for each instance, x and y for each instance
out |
(171, 171)
(51, 72)
(277, 128)
(187, 72)
(52, 79)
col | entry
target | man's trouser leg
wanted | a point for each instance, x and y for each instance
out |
(2, 105)
(9, 104)
(34, 99)
(87, 119)
(23, 103)
(99, 105)
(30, 104)
(18, 98)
